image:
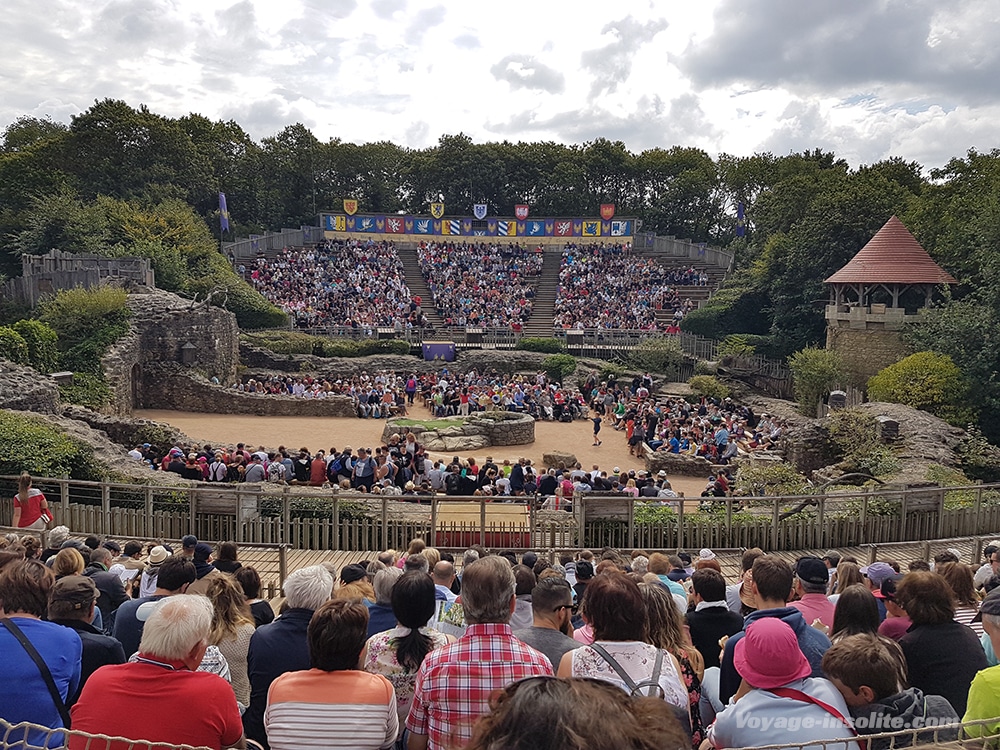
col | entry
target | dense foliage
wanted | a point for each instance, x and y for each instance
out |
(814, 373)
(927, 381)
(42, 450)
(295, 342)
(543, 345)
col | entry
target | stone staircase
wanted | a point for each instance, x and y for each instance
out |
(543, 307)
(407, 253)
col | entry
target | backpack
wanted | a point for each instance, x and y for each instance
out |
(233, 473)
(335, 466)
(274, 474)
(452, 484)
(636, 688)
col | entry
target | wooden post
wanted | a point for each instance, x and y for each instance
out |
(925, 552)
(582, 523)
(240, 536)
(286, 518)
(482, 521)
(106, 508)
(729, 521)
(680, 523)
(979, 506)
(774, 526)
(864, 516)
(385, 522)
(821, 519)
(335, 536)
(282, 563)
(434, 521)
(631, 522)
(940, 513)
(148, 510)
(64, 499)
(191, 511)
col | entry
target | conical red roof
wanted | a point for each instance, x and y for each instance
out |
(892, 256)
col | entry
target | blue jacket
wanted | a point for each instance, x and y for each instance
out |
(811, 641)
(275, 648)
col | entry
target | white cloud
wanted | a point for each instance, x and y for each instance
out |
(866, 79)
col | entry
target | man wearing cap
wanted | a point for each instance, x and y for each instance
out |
(874, 575)
(778, 699)
(811, 578)
(162, 697)
(771, 585)
(71, 604)
(204, 570)
(175, 575)
(188, 543)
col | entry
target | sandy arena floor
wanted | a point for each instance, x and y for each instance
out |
(327, 432)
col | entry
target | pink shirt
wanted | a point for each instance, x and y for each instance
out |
(815, 607)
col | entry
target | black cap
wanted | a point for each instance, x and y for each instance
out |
(812, 570)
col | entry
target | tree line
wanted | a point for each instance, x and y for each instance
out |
(123, 179)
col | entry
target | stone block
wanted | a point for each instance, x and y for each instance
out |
(554, 458)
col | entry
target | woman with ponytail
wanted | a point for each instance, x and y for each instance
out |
(31, 510)
(398, 653)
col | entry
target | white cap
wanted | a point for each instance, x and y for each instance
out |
(706, 554)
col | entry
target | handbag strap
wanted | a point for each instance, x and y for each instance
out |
(798, 695)
(42, 667)
(626, 678)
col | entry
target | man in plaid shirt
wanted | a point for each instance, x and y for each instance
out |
(454, 683)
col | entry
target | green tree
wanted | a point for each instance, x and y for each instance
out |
(42, 342)
(559, 366)
(927, 381)
(13, 346)
(814, 373)
(659, 355)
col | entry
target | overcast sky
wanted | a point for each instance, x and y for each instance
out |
(867, 79)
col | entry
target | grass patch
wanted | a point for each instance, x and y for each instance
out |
(430, 424)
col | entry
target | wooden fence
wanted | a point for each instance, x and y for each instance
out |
(321, 520)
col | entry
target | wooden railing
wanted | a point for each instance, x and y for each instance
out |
(315, 518)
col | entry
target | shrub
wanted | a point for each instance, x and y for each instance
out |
(88, 390)
(769, 479)
(708, 386)
(43, 450)
(78, 315)
(980, 458)
(543, 345)
(736, 345)
(814, 373)
(559, 366)
(661, 355)
(42, 341)
(928, 381)
(855, 433)
(703, 367)
(13, 346)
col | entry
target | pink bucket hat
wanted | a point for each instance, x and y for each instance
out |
(768, 656)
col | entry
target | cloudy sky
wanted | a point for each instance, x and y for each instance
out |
(865, 78)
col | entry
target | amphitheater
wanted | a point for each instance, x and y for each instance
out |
(181, 356)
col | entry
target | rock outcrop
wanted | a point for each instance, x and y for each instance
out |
(474, 433)
(26, 389)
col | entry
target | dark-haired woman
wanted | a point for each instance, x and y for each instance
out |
(226, 560)
(398, 653)
(249, 579)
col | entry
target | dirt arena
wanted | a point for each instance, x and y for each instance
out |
(327, 432)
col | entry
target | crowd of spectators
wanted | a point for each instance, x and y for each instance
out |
(479, 284)
(422, 650)
(609, 286)
(354, 283)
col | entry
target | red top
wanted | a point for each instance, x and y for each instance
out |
(31, 510)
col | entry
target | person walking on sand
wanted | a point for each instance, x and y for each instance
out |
(597, 419)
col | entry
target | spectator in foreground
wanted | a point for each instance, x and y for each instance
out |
(333, 699)
(24, 695)
(176, 574)
(398, 653)
(551, 610)
(455, 682)
(71, 604)
(248, 577)
(942, 656)
(711, 619)
(811, 580)
(776, 684)
(870, 672)
(282, 646)
(161, 697)
(541, 712)
(984, 693)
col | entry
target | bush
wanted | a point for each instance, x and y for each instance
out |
(662, 355)
(814, 372)
(42, 450)
(736, 345)
(980, 458)
(708, 386)
(13, 346)
(78, 315)
(927, 381)
(769, 479)
(559, 366)
(702, 367)
(42, 341)
(855, 433)
(543, 345)
(88, 389)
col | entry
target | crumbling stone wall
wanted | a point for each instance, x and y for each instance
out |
(25, 389)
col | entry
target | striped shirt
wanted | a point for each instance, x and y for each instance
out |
(455, 682)
(348, 709)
